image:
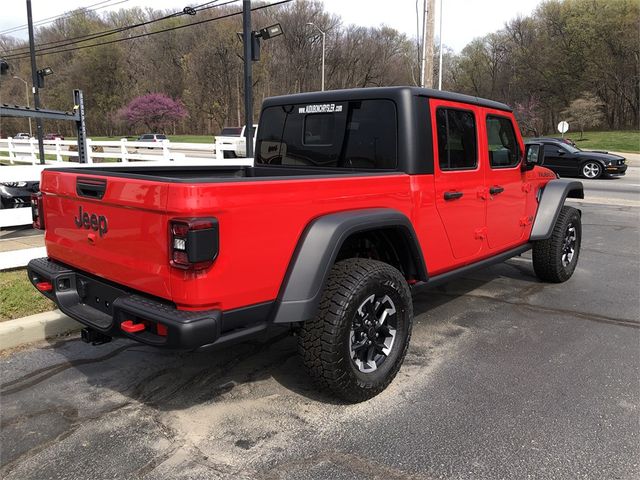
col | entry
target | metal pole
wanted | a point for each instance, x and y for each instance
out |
(248, 77)
(26, 91)
(323, 50)
(323, 35)
(34, 78)
(424, 42)
(440, 48)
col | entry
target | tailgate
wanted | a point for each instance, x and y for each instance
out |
(115, 228)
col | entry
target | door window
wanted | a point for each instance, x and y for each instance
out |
(457, 144)
(504, 151)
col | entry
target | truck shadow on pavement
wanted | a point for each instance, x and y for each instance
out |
(169, 380)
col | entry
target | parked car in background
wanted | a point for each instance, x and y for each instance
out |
(152, 137)
(53, 136)
(21, 136)
(233, 139)
(17, 194)
(568, 160)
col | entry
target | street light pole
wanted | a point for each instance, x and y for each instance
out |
(323, 50)
(26, 91)
(248, 77)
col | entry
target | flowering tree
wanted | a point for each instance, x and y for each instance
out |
(156, 111)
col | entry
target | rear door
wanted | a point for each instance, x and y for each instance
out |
(459, 178)
(112, 227)
(505, 181)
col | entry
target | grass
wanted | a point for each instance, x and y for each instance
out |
(616, 141)
(18, 298)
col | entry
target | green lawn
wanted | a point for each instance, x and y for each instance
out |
(18, 298)
(619, 141)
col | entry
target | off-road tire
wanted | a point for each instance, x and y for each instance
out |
(548, 254)
(325, 341)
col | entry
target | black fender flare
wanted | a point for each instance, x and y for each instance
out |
(552, 200)
(318, 249)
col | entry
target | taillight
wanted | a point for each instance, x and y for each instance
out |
(194, 242)
(37, 210)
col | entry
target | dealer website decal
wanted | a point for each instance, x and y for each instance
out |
(324, 108)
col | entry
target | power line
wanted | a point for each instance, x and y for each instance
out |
(228, 15)
(92, 36)
(44, 21)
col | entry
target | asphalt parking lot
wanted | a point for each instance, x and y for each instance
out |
(506, 377)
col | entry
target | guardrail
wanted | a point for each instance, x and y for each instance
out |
(22, 155)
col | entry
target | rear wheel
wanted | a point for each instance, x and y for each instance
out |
(555, 259)
(356, 343)
(591, 170)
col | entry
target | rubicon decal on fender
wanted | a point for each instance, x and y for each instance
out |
(91, 222)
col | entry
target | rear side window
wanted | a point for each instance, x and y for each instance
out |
(147, 137)
(457, 141)
(351, 135)
(161, 137)
(503, 146)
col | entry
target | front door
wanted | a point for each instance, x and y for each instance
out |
(506, 188)
(558, 158)
(459, 178)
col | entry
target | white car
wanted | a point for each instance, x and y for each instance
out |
(21, 136)
(233, 141)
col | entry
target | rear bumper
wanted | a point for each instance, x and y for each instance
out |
(103, 306)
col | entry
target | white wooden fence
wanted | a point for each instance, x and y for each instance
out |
(22, 156)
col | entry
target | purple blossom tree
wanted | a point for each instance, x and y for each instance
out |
(156, 111)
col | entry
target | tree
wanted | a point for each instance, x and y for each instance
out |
(156, 111)
(529, 117)
(585, 112)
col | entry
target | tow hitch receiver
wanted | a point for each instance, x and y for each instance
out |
(94, 337)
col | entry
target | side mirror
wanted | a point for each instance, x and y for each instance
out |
(533, 155)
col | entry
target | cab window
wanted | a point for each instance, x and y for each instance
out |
(349, 135)
(504, 151)
(457, 140)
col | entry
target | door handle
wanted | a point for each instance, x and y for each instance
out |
(495, 190)
(452, 195)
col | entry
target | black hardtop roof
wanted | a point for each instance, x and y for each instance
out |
(381, 92)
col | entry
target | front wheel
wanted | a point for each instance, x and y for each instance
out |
(555, 259)
(591, 170)
(356, 343)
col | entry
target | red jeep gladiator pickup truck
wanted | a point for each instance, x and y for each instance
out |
(357, 198)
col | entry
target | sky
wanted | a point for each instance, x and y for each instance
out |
(463, 20)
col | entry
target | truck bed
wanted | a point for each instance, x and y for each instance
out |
(213, 174)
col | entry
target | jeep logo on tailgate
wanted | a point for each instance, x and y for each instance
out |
(91, 221)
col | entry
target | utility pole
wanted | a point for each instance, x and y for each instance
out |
(440, 51)
(247, 40)
(34, 78)
(428, 21)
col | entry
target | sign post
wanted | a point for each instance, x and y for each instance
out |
(563, 127)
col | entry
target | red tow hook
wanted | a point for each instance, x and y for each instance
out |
(44, 286)
(130, 327)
